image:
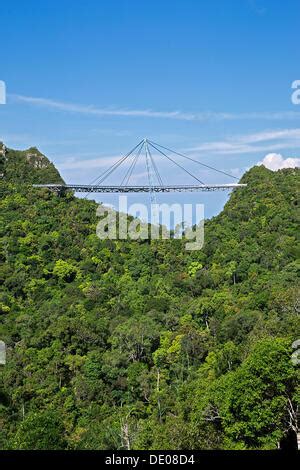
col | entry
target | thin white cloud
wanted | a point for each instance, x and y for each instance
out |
(149, 113)
(92, 110)
(83, 163)
(270, 135)
(275, 161)
(266, 141)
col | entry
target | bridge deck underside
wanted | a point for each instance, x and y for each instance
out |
(138, 189)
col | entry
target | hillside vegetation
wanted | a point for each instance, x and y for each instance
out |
(141, 344)
(29, 166)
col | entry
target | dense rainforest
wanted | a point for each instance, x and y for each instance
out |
(142, 344)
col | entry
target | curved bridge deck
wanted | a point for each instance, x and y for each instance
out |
(88, 188)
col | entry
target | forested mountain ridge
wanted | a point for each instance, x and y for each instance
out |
(143, 345)
(29, 166)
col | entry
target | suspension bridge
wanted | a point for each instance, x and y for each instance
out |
(143, 150)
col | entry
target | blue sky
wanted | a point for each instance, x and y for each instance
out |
(86, 80)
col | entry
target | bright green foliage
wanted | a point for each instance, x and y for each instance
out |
(142, 344)
(65, 271)
(193, 268)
